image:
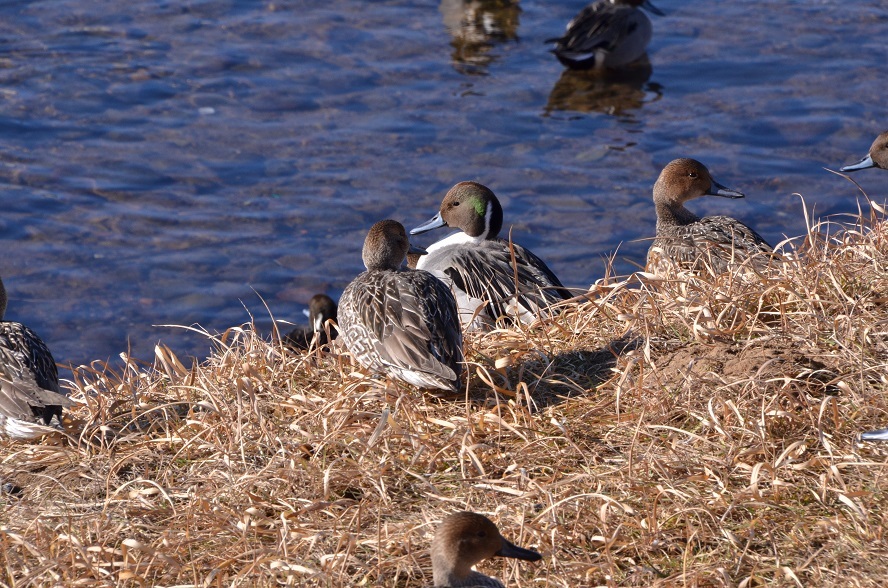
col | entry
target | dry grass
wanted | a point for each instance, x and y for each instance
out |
(681, 431)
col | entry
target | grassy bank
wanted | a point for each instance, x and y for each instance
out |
(678, 431)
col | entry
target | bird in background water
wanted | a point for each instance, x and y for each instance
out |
(606, 34)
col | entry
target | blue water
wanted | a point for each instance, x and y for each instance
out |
(178, 163)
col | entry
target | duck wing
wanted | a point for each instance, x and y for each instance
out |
(599, 26)
(524, 286)
(721, 240)
(403, 321)
(29, 385)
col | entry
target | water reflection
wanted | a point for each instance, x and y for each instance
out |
(477, 26)
(613, 92)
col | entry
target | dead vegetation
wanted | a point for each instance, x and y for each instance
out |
(694, 431)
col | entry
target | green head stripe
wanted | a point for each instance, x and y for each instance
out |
(478, 205)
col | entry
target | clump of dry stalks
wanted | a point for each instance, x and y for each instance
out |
(697, 431)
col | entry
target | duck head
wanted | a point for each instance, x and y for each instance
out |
(685, 179)
(464, 539)
(877, 156)
(386, 246)
(470, 207)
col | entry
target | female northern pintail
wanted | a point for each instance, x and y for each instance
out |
(321, 309)
(401, 322)
(479, 266)
(606, 33)
(877, 156)
(464, 539)
(689, 241)
(29, 380)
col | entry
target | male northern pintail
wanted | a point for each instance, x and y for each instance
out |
(606, 34)
(321, 308)
(877, 156)
(464, 539)
(478, 265)
(689, 241)
(401, 322)
(29, 380)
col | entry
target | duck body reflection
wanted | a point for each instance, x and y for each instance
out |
(476, 27)
(612, 92)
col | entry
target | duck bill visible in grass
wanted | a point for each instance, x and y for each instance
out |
(717, 189)
(435, 223)
(864, 163)
(511, 550)
(877, 435)
(651, 8)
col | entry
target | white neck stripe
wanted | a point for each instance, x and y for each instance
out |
(487, 214)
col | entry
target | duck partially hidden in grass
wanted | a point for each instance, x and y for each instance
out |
(29, 381)
(464, 539)
(876, 157)
(504, 278)
(689, 242)
(321, 308)
(877, 435)
(606, 34)
(401, 322)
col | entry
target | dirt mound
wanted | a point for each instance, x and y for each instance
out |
(778, 361)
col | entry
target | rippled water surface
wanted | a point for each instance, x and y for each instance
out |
(172, 162)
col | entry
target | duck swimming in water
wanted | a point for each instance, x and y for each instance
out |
(401, 322)
(690, 242)
(606, 34)
(481, 268)
(29, 381)
(464, 539)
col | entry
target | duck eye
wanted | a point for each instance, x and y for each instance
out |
(455, 204)
(693, 175)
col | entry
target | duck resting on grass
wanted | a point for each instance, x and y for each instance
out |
(484, 270)
(321, 309)
(401, 322)
(29, 381)
(690, 242)
(464, 539)
(606, 34)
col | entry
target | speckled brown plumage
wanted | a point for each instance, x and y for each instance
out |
(687, 241)
(401, 322)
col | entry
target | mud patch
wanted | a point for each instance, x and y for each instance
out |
(777, 361)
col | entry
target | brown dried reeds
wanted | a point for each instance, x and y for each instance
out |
(665, 430)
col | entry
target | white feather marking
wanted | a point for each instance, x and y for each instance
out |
(459, 238)
(487, 214)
